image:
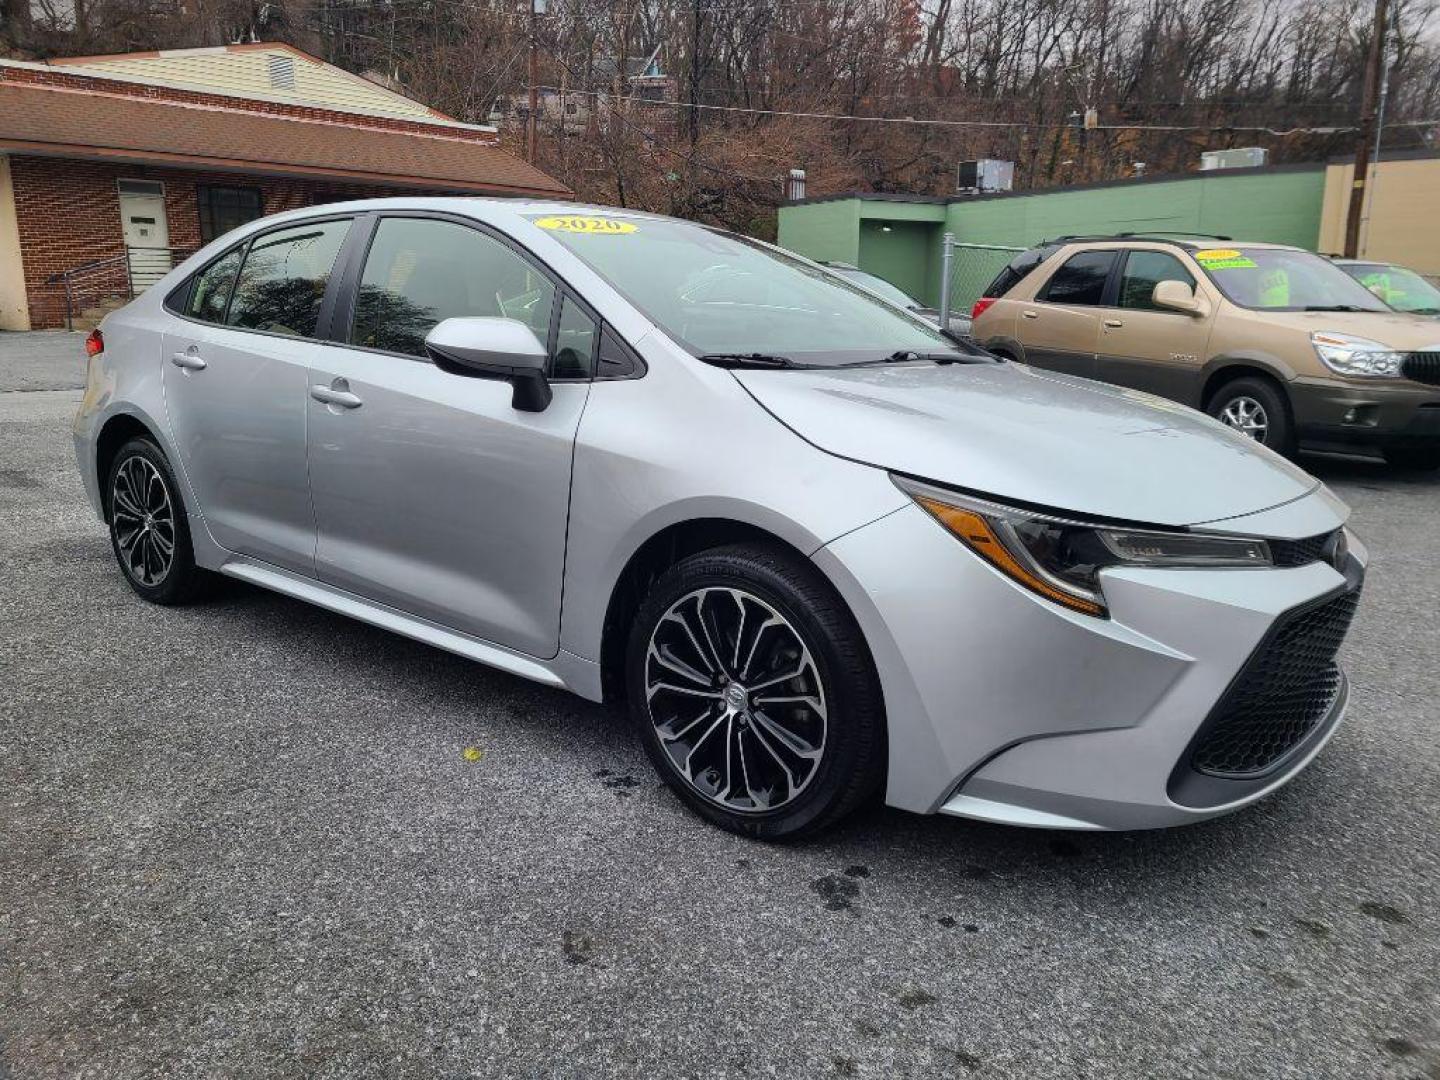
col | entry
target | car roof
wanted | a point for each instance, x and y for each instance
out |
(1188, 241)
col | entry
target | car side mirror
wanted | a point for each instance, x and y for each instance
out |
(1177, 296)
(494, 348)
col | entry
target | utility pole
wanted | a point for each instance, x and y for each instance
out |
(534, 88)
(1373, 67)
(695, 74)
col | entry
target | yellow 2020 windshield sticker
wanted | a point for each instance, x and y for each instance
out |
(582, 224)
(1224, 259)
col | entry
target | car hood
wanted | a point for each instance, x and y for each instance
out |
(1023, 435)
(1397, 329)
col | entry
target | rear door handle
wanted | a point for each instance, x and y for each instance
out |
(332, 396)
(188, 360)
(1029, 314)
(1114, 323)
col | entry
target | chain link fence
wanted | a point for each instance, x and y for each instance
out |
(972, 267)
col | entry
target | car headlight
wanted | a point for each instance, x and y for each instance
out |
(1346, 354)
(1061, 559)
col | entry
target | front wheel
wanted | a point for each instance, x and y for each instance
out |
(754, 693)
(1257, 408)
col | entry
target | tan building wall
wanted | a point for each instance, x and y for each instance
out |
(14, 311)
(1404, 212)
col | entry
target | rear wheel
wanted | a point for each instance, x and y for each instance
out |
(148, 528)
(754, 694)
(1256, 407)
(1413, 457)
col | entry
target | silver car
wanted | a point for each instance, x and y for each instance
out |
(822, 551)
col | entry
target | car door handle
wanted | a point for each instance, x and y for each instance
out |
(1029, 314)
(332, 396)
(188, 360)
(1114, 324)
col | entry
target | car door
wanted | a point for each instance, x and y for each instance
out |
(432, 493)
(1060, 328)
(1147, 347)
(235, 377)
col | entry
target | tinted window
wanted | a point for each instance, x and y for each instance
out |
(284, 278)
(1081, 279)
(1017, 271)
(420, 271)
(212, 288)
(574, 343)
(225, 208)
(1146, 269)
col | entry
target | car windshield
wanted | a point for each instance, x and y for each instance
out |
(1283, 279)
(721, 294)
(1401, 289)
(877, 285)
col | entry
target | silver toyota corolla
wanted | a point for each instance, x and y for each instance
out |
(820, 549)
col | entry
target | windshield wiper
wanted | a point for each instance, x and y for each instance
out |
(1335, 307)
(750, 360)
(907, 356)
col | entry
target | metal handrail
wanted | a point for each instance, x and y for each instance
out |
(97, 275)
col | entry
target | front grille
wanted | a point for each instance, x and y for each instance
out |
(1283, 692)
(1422, 367)
(1302, 552)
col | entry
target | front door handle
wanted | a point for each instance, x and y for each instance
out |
(1114, 324)
(1029, 314)
(336, 395)
(188, 360)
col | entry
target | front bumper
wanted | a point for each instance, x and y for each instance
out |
(1006, 707)
(1330, 413)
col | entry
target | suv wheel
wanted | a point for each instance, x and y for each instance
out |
(754, 693)
(149, 531)
(1413, 457)
(1256, 407)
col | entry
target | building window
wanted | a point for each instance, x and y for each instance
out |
(226, 208)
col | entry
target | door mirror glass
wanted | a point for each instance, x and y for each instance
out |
(1178, 296)
(494, 348)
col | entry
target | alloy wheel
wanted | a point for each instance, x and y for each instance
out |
(143, 519)
(736, 699)
(1247, 416)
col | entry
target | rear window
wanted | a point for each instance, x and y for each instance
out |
(1080, 279)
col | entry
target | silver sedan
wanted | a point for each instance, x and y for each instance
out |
(823, 552)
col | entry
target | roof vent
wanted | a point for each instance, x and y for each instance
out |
(282, 72)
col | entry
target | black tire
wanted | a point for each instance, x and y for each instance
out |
(1420, 458)
(850, 765)
(1279, 423)
(139, 550)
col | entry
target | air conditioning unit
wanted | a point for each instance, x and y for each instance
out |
(1248, 157)
(984, 175)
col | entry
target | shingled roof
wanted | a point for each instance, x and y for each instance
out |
(66, 122)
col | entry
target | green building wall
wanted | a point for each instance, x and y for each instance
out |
(900, 240)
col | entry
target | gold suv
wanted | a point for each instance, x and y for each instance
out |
(1274, 341)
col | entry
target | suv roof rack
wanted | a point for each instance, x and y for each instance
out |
(1160, 235)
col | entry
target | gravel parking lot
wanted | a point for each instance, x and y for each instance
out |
(248, 839)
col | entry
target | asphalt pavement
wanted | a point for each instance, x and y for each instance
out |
(253, 839)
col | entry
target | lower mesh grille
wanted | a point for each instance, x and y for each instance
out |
(1285, 690)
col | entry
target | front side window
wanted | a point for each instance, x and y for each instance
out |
(1284, 279)
(719, 293)
(282, 283)
(226, 208)
(575, 336)
(420, 271)
(1143, 271)
(1080, 279)
(211, 290)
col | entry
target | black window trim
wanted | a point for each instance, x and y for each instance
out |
(327, 303)
(352, 262)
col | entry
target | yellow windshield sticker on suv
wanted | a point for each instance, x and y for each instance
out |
(581, 224)
(1224, 259)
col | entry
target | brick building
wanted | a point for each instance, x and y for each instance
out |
(113, 168)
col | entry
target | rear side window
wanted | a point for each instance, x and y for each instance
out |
(211, 291)
(1143, 271)
(284, 277)
(1017, 271)
(420, 271)
(1080, 279)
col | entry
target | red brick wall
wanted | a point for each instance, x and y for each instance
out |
(69, 215)
(99, 85)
